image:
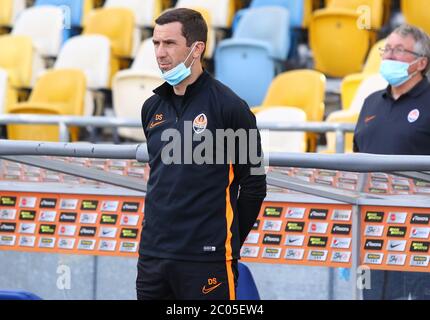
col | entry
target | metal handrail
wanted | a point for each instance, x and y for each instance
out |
(357, 162)
(112, 122)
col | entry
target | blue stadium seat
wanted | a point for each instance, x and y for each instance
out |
(18, 295)
(260, 23)
(246, 68)
(76, 8)
(246, 288)
(295, 8)
(249, 61)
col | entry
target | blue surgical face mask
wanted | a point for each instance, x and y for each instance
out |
(396, 72)
(179, 73)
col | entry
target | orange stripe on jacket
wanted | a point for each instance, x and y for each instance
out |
(228, 249)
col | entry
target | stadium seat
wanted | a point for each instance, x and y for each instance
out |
(222, 11)
(294, 7)
(416, 13)
(347, 116)
(296, 12)
(246, 288)
(21, 60)
(246, 68)
(145, 11)
(74, 12)
(375, 10)
(304, 89)
(18, 295)
(339, 47)
(117, 24)
(44, 24)
(75, 7)
(351, 82)
(3, 89)
(7, 95)
(369, 85)
(309, 7)
(130, 88)
(90, 54)
(248, 62)
(282, 141)
(57, 92)
(145, 60)
(269, 18)
(9, 10)
(372, 83)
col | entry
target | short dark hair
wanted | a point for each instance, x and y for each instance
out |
(194, 27)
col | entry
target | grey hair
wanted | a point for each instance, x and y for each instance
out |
(422, 41)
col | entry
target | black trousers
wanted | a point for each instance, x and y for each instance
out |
(166, 279)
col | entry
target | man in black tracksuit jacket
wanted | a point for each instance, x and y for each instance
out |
(197, 215)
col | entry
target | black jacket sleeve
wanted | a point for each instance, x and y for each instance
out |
(251, 174)
(144, 115)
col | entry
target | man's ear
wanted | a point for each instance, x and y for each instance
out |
(423, 63)
(198, 51)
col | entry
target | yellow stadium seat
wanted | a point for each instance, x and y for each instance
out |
(351, 82)
(57, 92)
(6, 12)
(115, 23)
(308, 9)
(89, 5)
(416, 12)
(304, 89)
(11, 97)
(339, 47)
(16, 57)
(7, 95)
(118, 25)
(374, 58)
(9, 10)
(373, 9)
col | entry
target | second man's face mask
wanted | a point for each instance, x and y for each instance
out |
(396, 72)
